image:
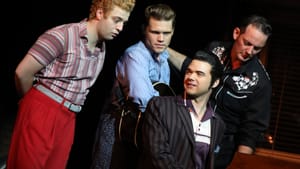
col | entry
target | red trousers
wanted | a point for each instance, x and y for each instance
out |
(43, 134)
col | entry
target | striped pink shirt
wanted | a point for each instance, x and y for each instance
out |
(70, 67)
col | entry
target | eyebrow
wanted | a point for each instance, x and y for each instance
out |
(246, 42)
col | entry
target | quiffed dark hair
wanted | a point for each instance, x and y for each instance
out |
(213, 60)
(259, 22)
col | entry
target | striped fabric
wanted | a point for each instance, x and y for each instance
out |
(70, 67)
(168, 135)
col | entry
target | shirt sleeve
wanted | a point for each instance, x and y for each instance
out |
(255, 121)
(133, 74)
(47, 47)
(155, 137)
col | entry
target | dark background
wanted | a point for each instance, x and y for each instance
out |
(198, 22)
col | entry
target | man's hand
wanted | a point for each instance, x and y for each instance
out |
(245, 149)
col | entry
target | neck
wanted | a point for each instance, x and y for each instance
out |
(92, 36)
(235, 64)
(199, 105)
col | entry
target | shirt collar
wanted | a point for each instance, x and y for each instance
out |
(209, 113)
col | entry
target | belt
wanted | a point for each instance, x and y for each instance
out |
(72, 107)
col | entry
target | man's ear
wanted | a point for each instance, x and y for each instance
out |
(99, 13)
(236, 33)
(216, 83)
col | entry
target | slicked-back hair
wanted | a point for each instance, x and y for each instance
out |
(259, 22)
(162, 12)
(213, 60)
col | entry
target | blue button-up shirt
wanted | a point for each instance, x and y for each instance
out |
(138, 69)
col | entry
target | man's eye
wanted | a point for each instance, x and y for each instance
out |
(257, 48)
(200, 74)
(118, 20)
(188, 72)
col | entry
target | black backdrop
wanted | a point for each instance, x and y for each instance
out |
(197, 23)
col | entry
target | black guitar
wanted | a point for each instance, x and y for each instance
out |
(131, 119)
(163, 89)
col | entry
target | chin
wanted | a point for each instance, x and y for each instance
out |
(189, 93)
(243, 59)
(159, 50)
(190, 96)
(246, 59)
(110, 37)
